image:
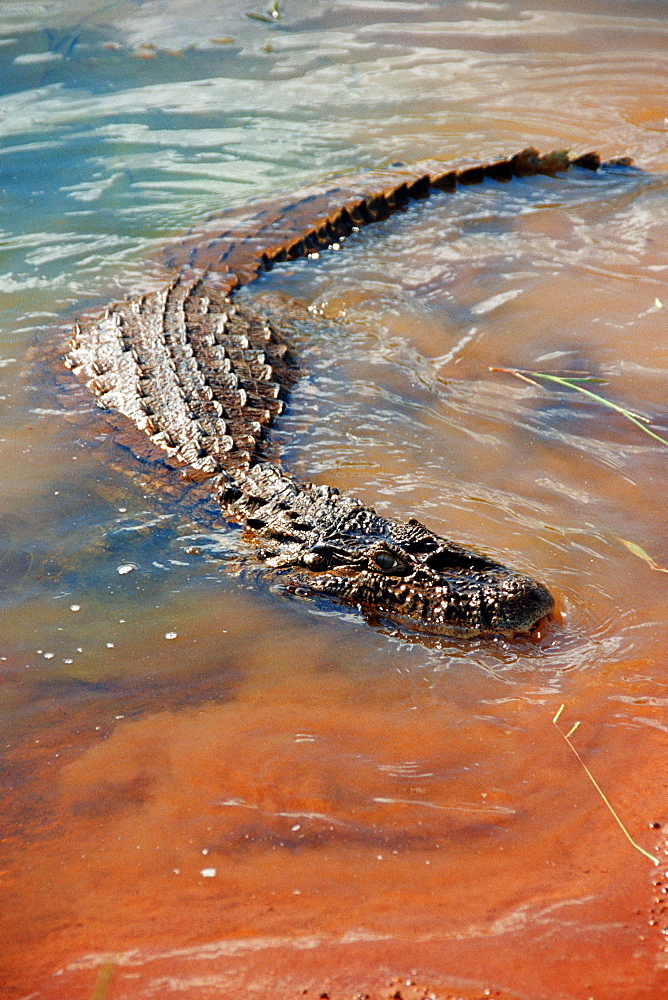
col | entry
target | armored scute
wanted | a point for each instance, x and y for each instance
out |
(204, 378)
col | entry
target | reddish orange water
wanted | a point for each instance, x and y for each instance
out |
(213, 790)
(353, 831)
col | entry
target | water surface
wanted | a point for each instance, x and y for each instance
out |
(212, 788)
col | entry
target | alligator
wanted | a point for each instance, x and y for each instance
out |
(204, 377)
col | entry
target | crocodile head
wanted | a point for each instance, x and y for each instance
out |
(418, 579)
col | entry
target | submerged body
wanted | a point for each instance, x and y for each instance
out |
(203, 378)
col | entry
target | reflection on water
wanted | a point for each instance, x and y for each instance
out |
(211, 787)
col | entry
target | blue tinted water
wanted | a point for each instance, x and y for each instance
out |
(124, 123)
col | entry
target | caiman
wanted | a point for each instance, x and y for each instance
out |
(204, 377)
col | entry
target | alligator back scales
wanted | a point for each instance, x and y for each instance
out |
(204, 378)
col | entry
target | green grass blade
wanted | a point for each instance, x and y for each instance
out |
(633, 417)
(567, 737)
(574, 383)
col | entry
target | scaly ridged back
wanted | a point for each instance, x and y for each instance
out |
(201, 378)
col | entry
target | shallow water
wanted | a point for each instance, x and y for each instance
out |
(212, 788)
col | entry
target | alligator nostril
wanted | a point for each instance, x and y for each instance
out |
(529, 605)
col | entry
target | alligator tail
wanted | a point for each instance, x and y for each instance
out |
(241, 244)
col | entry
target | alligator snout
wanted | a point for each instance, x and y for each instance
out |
(520, 605)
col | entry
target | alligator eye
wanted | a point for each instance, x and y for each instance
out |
(316, 559)
(389, 563)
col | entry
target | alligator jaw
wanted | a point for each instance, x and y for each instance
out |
(514, 607)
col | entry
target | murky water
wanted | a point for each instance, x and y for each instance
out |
(210, 788)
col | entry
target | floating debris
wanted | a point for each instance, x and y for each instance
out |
(272, 14)
(641, 554)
